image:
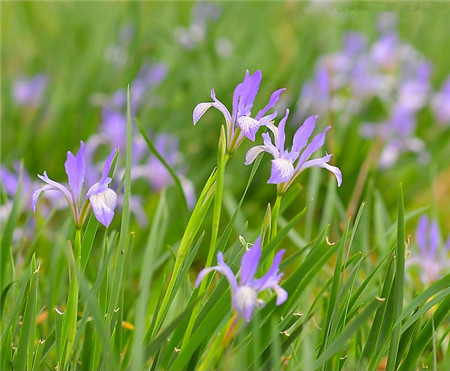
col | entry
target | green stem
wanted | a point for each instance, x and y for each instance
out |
(275, 213)
(222, 159)
(70, 316)
(188, 236)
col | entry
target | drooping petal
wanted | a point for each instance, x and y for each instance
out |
(254, 152)
(272, 101)
(201, 108)
(227, 272)
(282, 170)
(271, 278)
(282, 294)
(250, 262)
(323, 163)
(56, 186)
(249, 126)
(36, 194)
(303, 134)
(75, 168)
(103, 204)
(245, 301)
(202, 274)
(312, 147)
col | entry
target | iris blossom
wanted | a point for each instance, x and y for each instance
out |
(102, 199)
(240, 123)
(433, 262)
(283, 170)
(245, 294)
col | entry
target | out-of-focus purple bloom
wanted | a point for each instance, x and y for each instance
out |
(30, 92)
(433, 255)
(413, 92)
(397, 133)
(102, 199)
(239, 123)
(190, 37)
(245, 294)
(156, 173)
(283, 170)
(440, 103)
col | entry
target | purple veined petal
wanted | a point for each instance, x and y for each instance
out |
(249, 126)
(271, 278)
(36, 194)
(200, 110)
(107, 167)
(75, 168)
(433, 238)
(312, 147)
(266, 120)
(57, 187)
(282, 294)
(103, 204)
(245, 300)
(422, 233)
(272, 101)
(282, 170)
(237, 94)
(323, 163)
(253, 153)
(249, 263)
(9, 181)
(270, 147)
(281, 135)
(248, 93)
(303, 134)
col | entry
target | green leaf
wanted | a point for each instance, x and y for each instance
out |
(399, 280)
(24, 354)
(341, 340)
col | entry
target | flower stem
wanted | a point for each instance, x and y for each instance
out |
(275, 213)
(221, 162)
(190, 232)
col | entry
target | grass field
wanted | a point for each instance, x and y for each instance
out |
(105, 268)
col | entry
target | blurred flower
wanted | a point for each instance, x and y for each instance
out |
(102, 199)
(433, 255)
(239, 123)
(190, 37)
(440, 103)
(245, 295)
(30, 92)
(283, 170)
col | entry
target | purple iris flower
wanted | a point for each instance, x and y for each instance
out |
(283, 170)
(239, 123)
(441, 103)
(30, 92)
(102, 199)
(245, 294)
(433, 261)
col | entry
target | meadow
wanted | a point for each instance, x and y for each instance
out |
(225, 185)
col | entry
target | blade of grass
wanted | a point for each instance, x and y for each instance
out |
(340, 342)
(399, 279)
(24, 355)
(155, 240)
